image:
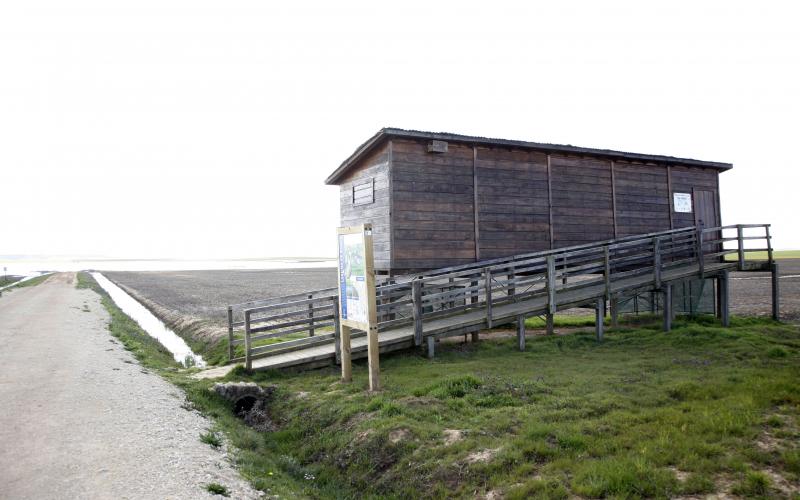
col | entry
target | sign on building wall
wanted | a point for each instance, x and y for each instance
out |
(682, 202)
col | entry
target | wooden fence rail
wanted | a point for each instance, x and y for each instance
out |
(413, 299)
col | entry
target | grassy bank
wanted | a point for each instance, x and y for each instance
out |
(777, 255)
(31, 282)
(702, 409)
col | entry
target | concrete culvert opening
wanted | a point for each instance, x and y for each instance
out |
(244, 405)
(250, 403)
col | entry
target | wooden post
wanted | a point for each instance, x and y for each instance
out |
(487, 282)
(700, 255)
(657, 262)
(521, 332)
(311, 316)
(564, 271)
(549, 322)
(512, 289)
(724, 298)
(373, 348)
(474, 285)
(600, 315)
(416, 310)
(337, 331)
(667, 307)
(614, 303)
(230, 333)
(607, 271)
(475, 336)
(551, 284)
(776, 298)
(248, 362)
(431, 346)
(450, 288)
(740, 241)
(769, 244)
(347, 360)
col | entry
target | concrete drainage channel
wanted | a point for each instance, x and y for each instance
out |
(250, 403)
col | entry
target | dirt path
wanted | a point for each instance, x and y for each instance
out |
(79, 418)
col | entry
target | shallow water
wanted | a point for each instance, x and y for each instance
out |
(151, 324)
(25, 266)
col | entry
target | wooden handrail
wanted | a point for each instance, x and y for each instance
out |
(411, 299)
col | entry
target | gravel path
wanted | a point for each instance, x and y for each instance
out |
(79, 418)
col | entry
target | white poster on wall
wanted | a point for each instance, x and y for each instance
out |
(682, 202)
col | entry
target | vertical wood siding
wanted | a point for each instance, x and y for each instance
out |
(686, 178)
(512, 202)
(433, 206)
(375, 167)
(642, 194)
(430, 219)
(582, 204)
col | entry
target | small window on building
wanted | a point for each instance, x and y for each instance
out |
(364, 193)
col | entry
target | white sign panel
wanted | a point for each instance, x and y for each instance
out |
(682, 202)
(353, 278)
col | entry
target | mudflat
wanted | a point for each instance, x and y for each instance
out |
(80, 418)
(206, 294)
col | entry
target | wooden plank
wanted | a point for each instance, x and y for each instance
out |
(614, 199)
(475, 205)
(550, 198)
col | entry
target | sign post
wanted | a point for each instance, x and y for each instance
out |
(357, 298)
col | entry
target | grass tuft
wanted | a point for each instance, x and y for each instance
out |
(217, 489)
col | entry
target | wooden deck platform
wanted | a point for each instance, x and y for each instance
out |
(474, 320)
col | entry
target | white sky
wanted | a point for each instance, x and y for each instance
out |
(205, 129)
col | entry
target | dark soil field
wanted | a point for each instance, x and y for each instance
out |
(206, 294)
(751, 292)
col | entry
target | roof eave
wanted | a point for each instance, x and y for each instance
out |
(386, 133)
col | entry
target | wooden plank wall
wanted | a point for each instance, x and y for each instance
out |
(433, 218)
(683, 180)
(512, 202)
(375, 167)
(582, 200)
(642, 198)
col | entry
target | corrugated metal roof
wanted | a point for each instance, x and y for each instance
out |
(388, 133)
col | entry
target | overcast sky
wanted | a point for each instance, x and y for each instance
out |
(205, 129)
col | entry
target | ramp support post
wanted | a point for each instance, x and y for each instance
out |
(521, 332)
(230, 331)
(600, 315)
(775, 293)
(248, 361)
(416, 311)
(724, 298)
(347, 360)
(431, 346)
(549, 321)
(614, 304)
(667, 307)
(487, 283)
(337, 331)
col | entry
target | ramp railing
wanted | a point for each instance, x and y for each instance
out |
(311, 318)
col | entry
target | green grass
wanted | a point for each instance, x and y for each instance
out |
(31, 282)
(147, 350)
(777, 254)
(211, 438)
(217, 489)
(9, 279)
(567, 417)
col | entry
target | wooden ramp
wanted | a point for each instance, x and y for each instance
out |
(415, 310)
